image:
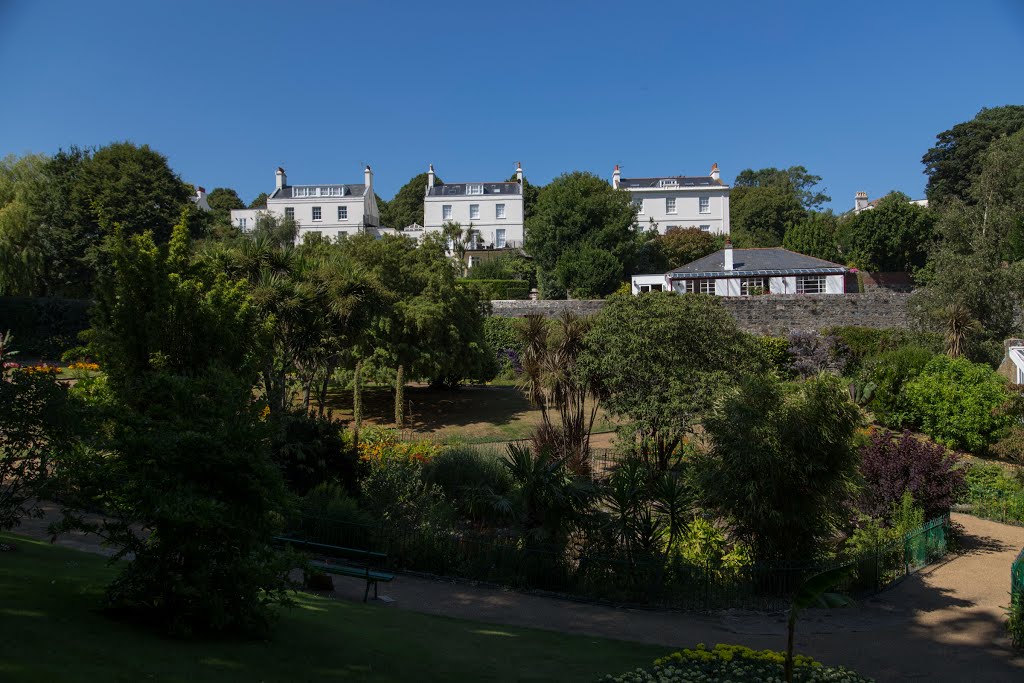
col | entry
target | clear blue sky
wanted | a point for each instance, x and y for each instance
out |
(228, 91)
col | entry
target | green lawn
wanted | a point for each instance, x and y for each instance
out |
(51, 631)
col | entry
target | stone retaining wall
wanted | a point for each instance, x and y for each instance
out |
(770, 314)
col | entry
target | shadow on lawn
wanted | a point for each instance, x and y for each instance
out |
(482, 408)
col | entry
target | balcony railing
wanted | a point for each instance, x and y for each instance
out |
(481, 246)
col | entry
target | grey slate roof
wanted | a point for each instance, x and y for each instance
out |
(350, 191)
(459, 189)
(770, 261)
(684, 181)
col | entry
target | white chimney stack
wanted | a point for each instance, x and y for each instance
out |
(282, 179)
(430, 177)
(728, 255)
(368, 178)
(616, 177)
(200, 193)
(860, 201)
(715, 175)
(519, 172)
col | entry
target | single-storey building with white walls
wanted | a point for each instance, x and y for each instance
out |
(748, 272)
(332, 211)
(1012, 367)
(679, 201)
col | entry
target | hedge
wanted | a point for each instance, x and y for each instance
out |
(500, 289)
(44, 327)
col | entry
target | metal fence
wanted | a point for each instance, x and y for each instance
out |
(996, 504)
(638, 579)
(1017, 575)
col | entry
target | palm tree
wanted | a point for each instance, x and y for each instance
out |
(960, 326)
(460, 240)
(551, 383)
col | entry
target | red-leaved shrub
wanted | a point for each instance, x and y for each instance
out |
(893, 463)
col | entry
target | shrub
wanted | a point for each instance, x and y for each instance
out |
(734, 663)
(331, 501)
(813, 353)
(502, 337)
(310, 450)
(391, 486)
(995, 494)
(862, 343)
(468, 477)
(894, 464)
(957, 403)
(889, 372)
(774, 353)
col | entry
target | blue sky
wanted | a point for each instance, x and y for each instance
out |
(228, 91)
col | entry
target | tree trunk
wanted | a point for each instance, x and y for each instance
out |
(357, 401)
(789, 645)
(400, 398)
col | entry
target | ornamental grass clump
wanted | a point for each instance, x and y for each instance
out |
(735, 663)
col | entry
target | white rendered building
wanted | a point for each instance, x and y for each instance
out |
(494, 209)
(679, 201)
(861, 203)
(332, 211)
(749, 272)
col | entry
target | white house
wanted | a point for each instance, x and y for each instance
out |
(199, 199)
(747, 272)
(679, 201)
(494, 209)
(332, 211)
(861, 203)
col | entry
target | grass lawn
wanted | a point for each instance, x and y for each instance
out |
(52, 632)
(471, 413)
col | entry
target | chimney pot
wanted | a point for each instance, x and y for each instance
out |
(282, 179)
(715, 173)
(616, 177)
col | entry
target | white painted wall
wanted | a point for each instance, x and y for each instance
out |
(245, 219)
(835, 284)
(639, 280)
(652, 204)
(487, 224)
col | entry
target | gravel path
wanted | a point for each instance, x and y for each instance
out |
(945, 623)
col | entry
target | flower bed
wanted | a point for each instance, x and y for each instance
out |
(735, 663)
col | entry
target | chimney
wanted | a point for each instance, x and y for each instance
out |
(200, 192)
(368, 178)
(728, 255)
(430, 177)
(860, 201)
(282, 179)
(616, 177)
(715, 175)
(519, 172)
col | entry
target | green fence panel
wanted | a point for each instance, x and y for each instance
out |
(650, 580)
(1017, 575)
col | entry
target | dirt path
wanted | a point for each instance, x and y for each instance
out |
(944, 623)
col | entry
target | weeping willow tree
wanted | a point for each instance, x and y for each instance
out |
(567, 402)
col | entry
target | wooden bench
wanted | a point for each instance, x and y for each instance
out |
(354, 562)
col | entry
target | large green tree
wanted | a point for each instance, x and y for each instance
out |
(660, 360)
(179, 460)
(260, 202)
(796, 179)
(761, 215)
(406, 207)
(683, 245)
(956, 159)
(222, 200)
(85, 194)
(575, 210)
(894, 236)
(782, 465)
(22, 256)
(816, 235)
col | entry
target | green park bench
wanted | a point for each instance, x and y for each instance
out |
(354, 562)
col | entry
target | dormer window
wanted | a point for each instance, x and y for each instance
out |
(475, 188)
(668, 182)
